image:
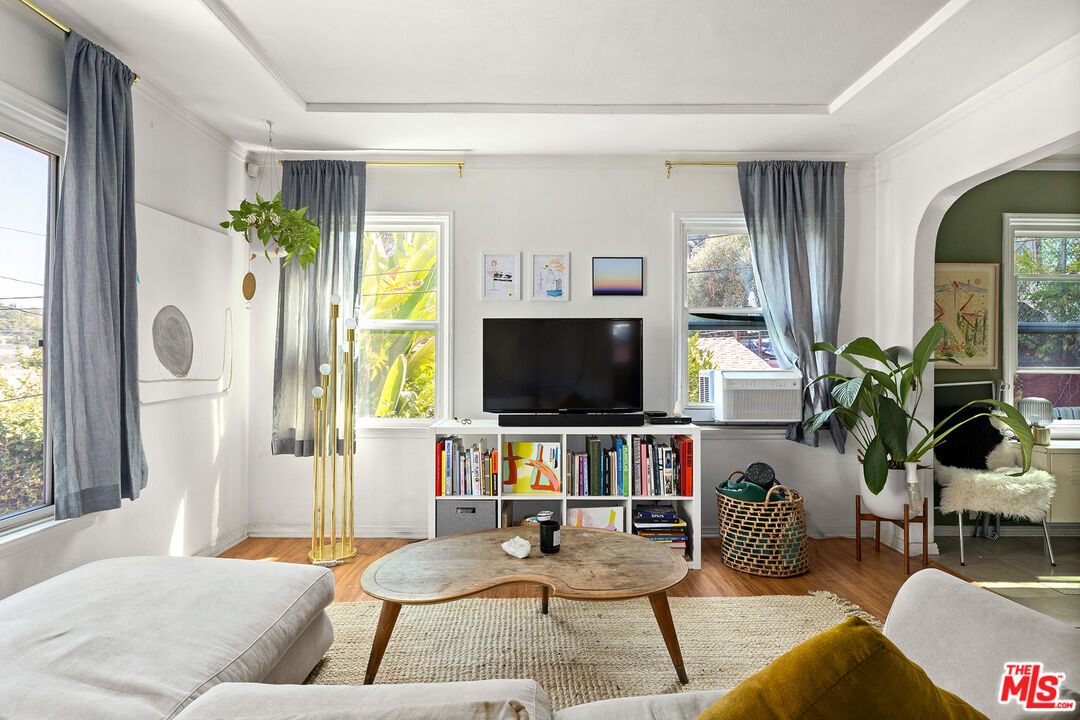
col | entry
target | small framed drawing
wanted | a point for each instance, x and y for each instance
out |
(618, 276)
(550, 275)
(502, 276)
(966, 303)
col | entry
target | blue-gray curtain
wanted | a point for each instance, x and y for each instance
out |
(795, 214)
(333, 191)
(92, 387)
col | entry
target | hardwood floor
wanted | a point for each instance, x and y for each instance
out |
(871, 584)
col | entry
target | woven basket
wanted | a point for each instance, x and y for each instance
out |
(766, 538)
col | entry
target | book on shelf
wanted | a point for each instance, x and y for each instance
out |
(599, 471)
(662, 468)
(461, 470)
(661, 523)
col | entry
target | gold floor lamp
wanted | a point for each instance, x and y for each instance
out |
(332, 534)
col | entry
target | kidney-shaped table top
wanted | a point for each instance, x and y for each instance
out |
(591, 565)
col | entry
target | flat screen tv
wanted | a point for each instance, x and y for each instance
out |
(569, 365)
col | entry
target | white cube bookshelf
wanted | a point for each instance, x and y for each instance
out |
(573, 438)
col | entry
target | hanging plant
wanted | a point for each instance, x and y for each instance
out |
(278, 228)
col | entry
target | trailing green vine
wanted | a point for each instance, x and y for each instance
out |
(276, 225)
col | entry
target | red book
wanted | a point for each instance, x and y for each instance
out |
(688, 472)
(438, 468)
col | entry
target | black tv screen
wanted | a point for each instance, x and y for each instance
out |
(538, 365)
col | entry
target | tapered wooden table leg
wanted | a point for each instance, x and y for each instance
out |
(544, 599)
(387, 618)
(662, 612)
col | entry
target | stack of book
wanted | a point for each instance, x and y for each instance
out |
(599, 471)
(463, 470)
(662, 468)
(662, 524)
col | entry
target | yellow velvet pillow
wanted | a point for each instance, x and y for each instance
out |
(850, 671)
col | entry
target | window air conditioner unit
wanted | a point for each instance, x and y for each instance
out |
(756, 396)
(707, 386)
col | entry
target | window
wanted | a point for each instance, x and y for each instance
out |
(27, 208)
(720, 307)
(402, 367)
(1041, 310)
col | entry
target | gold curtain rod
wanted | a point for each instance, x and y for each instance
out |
(715, 163)
(460, 163)
(53, 20)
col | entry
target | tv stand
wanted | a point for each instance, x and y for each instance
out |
(573, 420)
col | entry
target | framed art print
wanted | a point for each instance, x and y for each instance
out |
(966, 303)
(550, 275)
(501, 276)
(618, 276)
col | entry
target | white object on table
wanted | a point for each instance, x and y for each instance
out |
(517, 546)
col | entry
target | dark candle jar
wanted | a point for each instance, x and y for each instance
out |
(549, 536)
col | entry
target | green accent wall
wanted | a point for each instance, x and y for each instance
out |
(971, 232)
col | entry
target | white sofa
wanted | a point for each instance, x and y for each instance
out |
(960, 634)
(201, 639)
(142, 637)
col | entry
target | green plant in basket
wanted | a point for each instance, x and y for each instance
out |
(276, 225)
(879, 403)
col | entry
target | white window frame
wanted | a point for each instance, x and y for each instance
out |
(441, 223)
(682, 224)
(1028, 225)
(27, 120)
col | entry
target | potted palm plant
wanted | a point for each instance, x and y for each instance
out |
(878, 405)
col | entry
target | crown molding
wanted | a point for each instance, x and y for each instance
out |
(234, 26)
(177, 109)
(32, 116)
(1036, 68)
(571, 108)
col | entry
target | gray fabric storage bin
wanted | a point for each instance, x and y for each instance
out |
(458, 515)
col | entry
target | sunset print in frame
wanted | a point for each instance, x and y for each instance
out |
(966, 303)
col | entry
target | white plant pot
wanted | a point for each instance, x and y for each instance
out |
(889, 503)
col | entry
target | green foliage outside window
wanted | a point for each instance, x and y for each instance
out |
(1048, 301)
(699, 359)
(397, 366)
(22, 435)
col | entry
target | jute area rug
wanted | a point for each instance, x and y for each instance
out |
(580, 651)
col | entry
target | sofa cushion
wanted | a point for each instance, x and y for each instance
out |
(849, 671)
(247, 701)
(671, 706)
(141, 637)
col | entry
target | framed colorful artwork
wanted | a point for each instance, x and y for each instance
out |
(501, 276)
(531, 467)
(966, 304)
(603, 518)
(550, 275)
(618, 276)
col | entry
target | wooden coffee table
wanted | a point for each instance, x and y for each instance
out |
(591, 565)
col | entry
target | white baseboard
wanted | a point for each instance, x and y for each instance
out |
(1070, 529)
(362, 531)
(224, 543)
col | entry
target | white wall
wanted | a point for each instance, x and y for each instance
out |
(589, 206)
(196, 495)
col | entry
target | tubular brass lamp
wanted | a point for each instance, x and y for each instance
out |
(332, 532)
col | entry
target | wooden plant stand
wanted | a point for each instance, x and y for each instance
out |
(905, 523)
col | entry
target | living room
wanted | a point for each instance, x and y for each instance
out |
(597, 133)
